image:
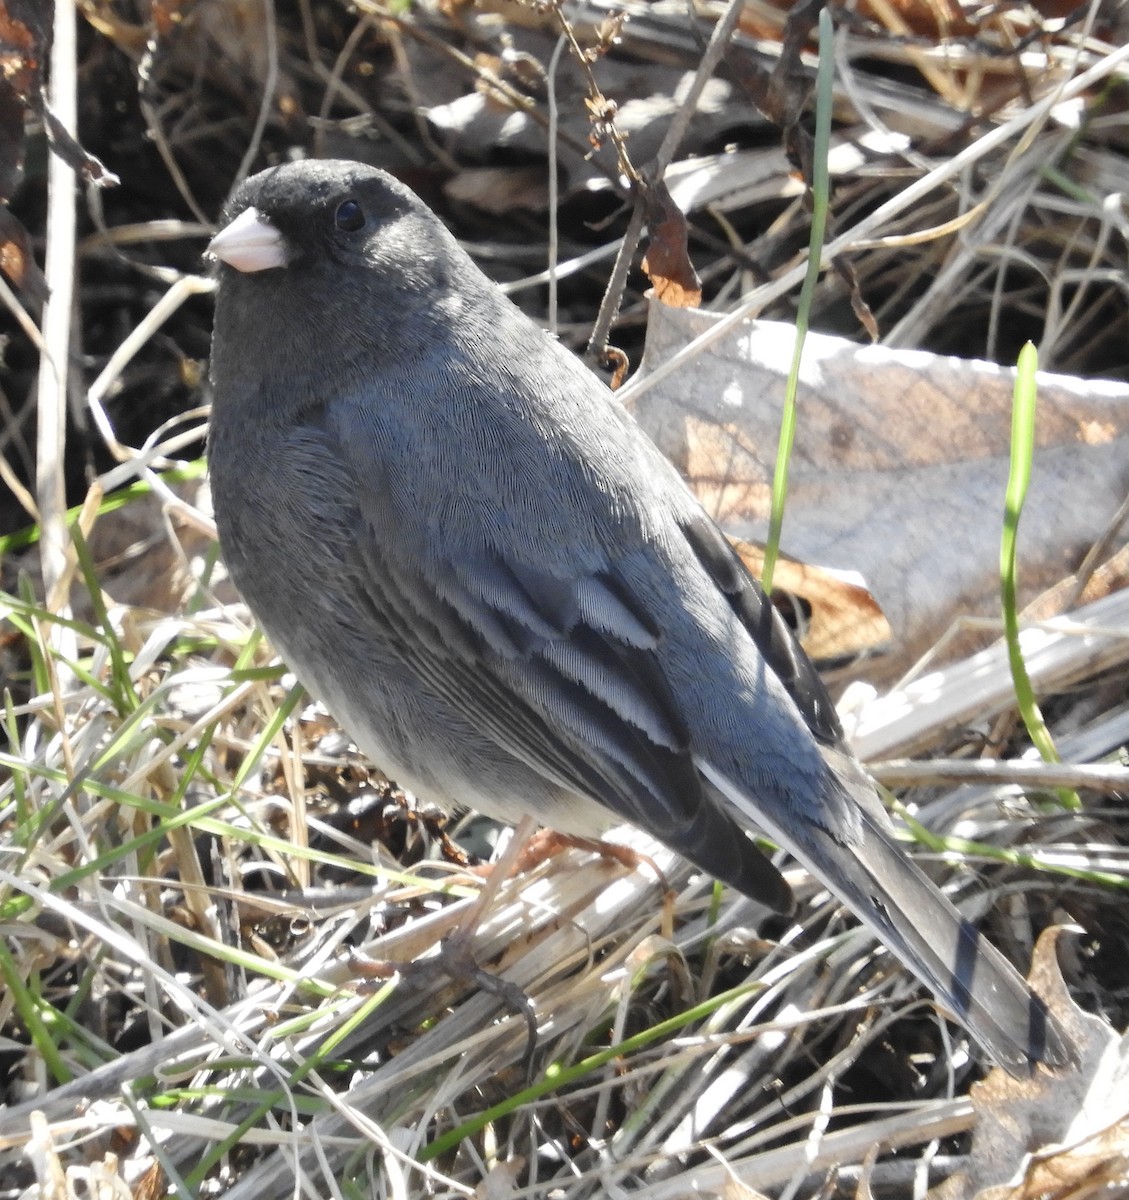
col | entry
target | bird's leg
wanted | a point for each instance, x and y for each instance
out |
(456, 951)
(509, 861)
(547, 842)
(456, 954)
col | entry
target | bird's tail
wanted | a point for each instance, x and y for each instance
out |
(875, 878)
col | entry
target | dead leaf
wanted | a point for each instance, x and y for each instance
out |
(899, 466)
(930, 18)
(1058, 1133)
(790, 83)
(16, 258)
(616, 362)
(23, 44)
(667, 262)
(840, 618)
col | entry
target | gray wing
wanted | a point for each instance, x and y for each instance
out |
(562, 672)
(768, 630)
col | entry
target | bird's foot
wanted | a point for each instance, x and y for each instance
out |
(455, 961)
(546, 842)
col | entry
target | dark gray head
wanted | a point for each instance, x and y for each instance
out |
(323, 216)
(329, 261)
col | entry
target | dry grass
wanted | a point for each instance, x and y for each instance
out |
(194, 867)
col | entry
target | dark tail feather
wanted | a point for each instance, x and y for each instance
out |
(875, 878)
(967, 974)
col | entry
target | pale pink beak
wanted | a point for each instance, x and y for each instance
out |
(250, 243)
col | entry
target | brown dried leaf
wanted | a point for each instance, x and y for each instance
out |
(899, 467)
(616, 362)
(1059, 1133)
(151, 1183)
(16, 259)
(166, 15)
(667, 262)
(840, 618)
(791, 83)
(23, 44)
(932, 18)
(863, 313)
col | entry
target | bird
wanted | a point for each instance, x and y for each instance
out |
(465, 547)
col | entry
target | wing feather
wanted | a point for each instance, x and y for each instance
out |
(584, 707)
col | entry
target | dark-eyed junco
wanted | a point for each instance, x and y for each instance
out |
(464, 546)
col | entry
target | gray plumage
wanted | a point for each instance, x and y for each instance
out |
(458, 540)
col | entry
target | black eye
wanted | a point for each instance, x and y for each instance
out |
(349, 216)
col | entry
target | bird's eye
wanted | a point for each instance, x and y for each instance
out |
(349, 216)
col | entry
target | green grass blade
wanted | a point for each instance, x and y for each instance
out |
(1019, 480)
(556, 1076)
(821, 188)
(28, 1007)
